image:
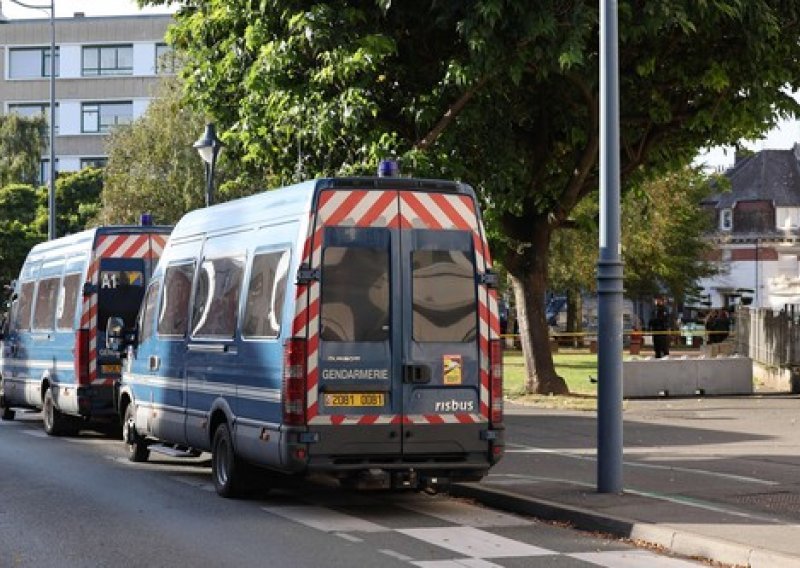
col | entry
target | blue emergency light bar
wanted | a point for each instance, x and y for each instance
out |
(388, 168)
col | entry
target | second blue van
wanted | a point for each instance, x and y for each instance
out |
(344, 326)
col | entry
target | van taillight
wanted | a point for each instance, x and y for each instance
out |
(82, 357)
(496, 380)
(294, 382)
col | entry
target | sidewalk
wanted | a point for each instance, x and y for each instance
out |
(713, 478)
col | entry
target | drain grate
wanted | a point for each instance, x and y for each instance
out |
(779, 502)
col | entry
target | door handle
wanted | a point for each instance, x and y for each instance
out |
(154, 362)
(416, 374)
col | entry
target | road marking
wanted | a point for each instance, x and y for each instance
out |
(36, 433)
(457, 563)
(708, 506)
(475, 543)
(324, 519)
(349, 537)
(394, 554)
(465, 514)
(577, 454)
(631, 559)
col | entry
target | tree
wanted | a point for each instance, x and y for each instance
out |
(152, 166)
(498, 92)
(663, 239)
(78, 199)
(18, 207)
(21, 147)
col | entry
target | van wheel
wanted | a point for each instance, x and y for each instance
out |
(55, 423)
(230, 473)
(134, 443)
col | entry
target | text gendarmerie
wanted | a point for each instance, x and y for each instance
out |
(364, 374)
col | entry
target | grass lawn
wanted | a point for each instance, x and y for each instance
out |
(575, 365)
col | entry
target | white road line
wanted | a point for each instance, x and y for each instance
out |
(632, 559)
(36, 433)
(349, 537)
(394, 554)
(577, 454)
(475, 543)
(324, 519)
(457, 563)
(670, 498)
(465, 514)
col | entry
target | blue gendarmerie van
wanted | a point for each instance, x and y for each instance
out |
(342, 326)
(55, 356)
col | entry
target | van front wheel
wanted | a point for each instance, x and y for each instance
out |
(134, 443)
(228, 471)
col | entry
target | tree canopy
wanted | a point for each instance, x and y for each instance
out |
(500, 93)
(21, 147)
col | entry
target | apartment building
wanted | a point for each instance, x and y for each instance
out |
(106, 70)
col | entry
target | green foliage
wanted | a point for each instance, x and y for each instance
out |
(18, 206)
(152, 166)
(21, 147)
(78, 199)
(501, 93)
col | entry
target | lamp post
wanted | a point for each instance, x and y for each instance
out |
(209, 147)
(51, 190)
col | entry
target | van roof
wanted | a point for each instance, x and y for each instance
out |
(87, 236)
(292, 201)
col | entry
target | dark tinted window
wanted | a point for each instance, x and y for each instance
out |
(265, 294)
(121, 290)
(44, 314)
(24, 305)
(444, 299)
(355, 294)
(216, 302)
(68, 301)
(149, 311)
(174, 316)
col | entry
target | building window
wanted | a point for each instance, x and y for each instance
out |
(165, 59)
(30, 110)
(30, 63)
(93, 162)
(102, 117)
(107, 60)
(44, 171)
(726, 219)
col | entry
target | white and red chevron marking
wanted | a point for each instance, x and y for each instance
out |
(393, 209)
(138, 245)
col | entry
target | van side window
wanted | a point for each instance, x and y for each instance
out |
(44, 314)
(174, 316)
(444, 296)
(216, 302)
(22, 319)
(68, 301)
(265, 294)
(355, 294)
(149, 311)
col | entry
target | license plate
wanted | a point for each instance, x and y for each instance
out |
(354, 399)
(111, 368)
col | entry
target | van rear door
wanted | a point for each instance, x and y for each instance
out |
(396, 354)
(445, 396)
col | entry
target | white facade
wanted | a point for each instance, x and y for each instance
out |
(106, 74)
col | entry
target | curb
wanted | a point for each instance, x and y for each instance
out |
(676, 541)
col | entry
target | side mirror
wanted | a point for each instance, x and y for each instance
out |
(115, 333)
(89, 288)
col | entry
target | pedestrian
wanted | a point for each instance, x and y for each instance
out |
(659, 326)
(712, 327)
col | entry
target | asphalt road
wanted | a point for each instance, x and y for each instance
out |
(75, 502)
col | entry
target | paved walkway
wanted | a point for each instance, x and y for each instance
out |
(714, 478)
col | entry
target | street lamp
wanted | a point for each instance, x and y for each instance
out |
(209, 147)
(51, 190)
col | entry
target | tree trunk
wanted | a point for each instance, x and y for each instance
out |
(528, 272)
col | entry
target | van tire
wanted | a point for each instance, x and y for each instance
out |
(55, 423)
(7, 414)
(230, 473)
(134, 443)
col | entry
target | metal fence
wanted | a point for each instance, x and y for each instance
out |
(769, 337)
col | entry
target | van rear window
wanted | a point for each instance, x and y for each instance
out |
(355, 294)
(444, 296)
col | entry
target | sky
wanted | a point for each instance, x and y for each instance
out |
(782, 137)
(66, 8)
